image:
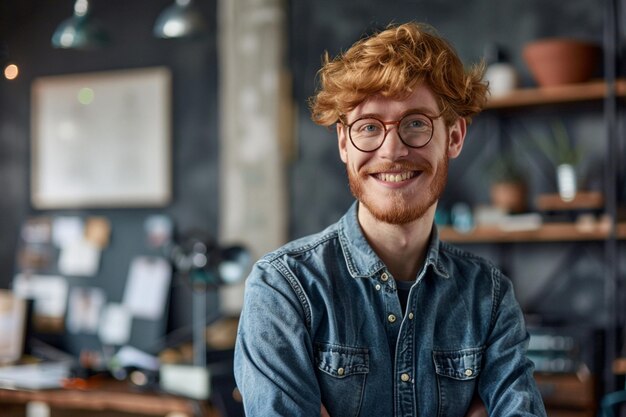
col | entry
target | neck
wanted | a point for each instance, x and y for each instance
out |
(402, 247)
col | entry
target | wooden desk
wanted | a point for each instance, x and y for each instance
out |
(110, 398)
(568, 395)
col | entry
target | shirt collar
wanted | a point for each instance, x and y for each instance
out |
(361, 259)
(432, 256)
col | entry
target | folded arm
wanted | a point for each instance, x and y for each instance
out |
(274, 365)
(506, 382)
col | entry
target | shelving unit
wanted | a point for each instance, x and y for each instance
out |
(550, 232)
(594, 230)
(610, 93)
(526, 97)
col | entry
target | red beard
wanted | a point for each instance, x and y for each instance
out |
(398, 209)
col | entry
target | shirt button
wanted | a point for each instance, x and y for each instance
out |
(468, 372)
(405, 377)
(391, 318)
(377, 287)
(341, 371)
(384, 276)
(411, 316)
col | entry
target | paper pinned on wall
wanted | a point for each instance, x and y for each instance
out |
(98, 231)
(37, 230)
(34, 257)
(67, 229)
(147, 287)
(49, 293)
(34, 250)
(115, 325)
(85, 306)
(159, 229)
(79, 258)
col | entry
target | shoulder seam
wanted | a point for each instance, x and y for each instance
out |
(469, 255)
(495, 289)
(289, 250)
(296, 287)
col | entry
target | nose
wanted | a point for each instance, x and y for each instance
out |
(393, 147)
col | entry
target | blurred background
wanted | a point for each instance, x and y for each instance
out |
(160, 144)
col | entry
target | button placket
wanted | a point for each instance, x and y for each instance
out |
(405, 358)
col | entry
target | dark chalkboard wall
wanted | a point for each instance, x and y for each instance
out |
(317, 186)
(26, 26)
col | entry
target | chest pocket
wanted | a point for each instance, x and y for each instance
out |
(457, 371)
(341, 373)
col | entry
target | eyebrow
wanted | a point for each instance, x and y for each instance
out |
(423, 110)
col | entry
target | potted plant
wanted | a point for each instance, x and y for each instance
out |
(508, 190)
(564, 156)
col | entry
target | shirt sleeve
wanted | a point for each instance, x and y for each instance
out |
(274, 365)
(507, 385)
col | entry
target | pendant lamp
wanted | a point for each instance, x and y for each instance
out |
(79, 31)
(179, 20)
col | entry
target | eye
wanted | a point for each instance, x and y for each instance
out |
(367, 127)
(416, 122)
(370, 128)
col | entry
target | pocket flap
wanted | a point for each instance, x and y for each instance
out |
(461, 364)
(341, 361)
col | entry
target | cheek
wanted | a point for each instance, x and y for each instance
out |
(353, 161)
(442, 151)
(352, 167)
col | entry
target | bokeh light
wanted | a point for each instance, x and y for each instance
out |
(85, 95)
(11, 72)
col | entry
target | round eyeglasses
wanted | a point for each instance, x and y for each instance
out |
(415, 130)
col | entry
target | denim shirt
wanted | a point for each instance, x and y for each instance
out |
(322, 324)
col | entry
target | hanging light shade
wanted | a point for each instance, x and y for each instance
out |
(179, 20)
(79, 31)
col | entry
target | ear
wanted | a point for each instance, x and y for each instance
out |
(342, 142)
(456, 137)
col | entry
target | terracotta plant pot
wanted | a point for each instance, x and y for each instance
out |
(509, 196)
(561, 61)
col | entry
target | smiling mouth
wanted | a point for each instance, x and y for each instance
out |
(396, 176)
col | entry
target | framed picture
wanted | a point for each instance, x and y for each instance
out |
(101, 139)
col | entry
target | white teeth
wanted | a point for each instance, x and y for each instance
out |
(396, 177)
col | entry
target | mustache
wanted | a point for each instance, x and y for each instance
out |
(397, 166)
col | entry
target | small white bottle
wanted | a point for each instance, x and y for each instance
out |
(500, 74)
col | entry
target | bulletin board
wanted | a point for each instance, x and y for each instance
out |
(101, 139)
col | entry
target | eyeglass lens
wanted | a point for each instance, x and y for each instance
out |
(414, 129)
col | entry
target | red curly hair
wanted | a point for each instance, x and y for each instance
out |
(391, 63)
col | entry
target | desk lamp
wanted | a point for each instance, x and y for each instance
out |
(203, 265)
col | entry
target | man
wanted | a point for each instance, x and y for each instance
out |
(375, 316)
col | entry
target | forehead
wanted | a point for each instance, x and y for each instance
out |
(421, 99)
